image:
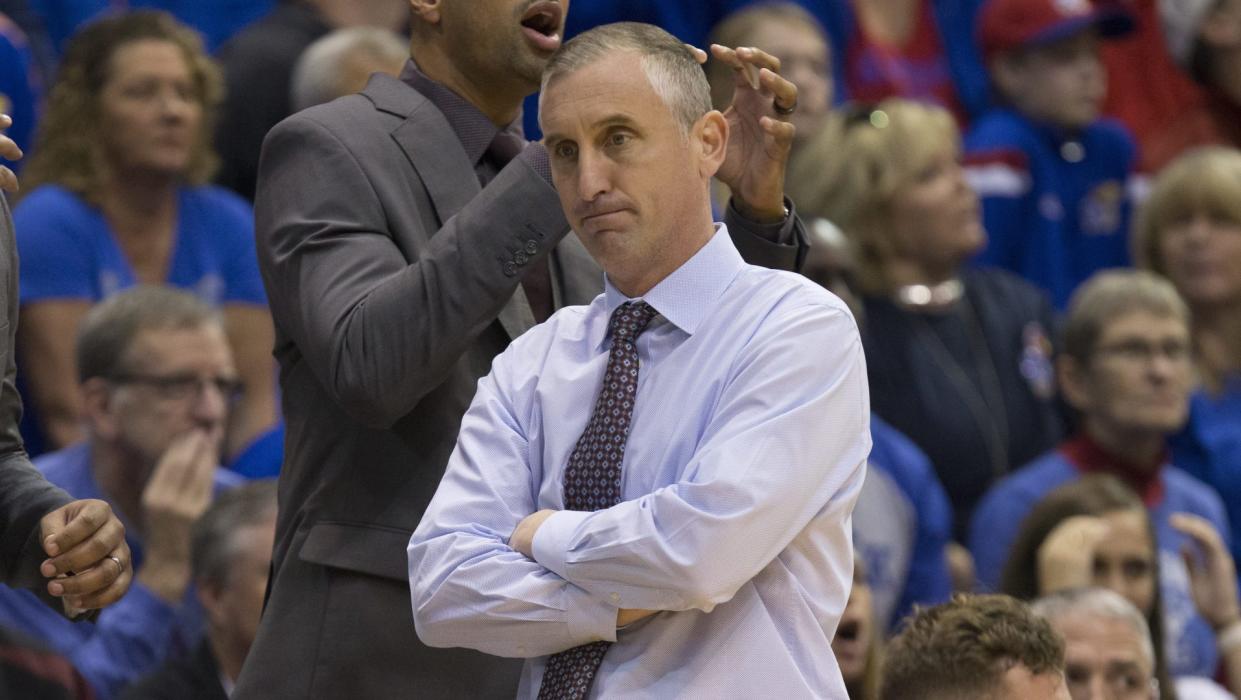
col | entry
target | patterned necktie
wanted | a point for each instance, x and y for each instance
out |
(592, 480)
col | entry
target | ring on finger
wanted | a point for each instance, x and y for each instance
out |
(120, 568)
(783, 111)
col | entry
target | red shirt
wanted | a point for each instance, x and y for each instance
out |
(918, 69)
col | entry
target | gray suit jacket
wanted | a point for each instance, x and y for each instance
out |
(25, 497)
(393, 279)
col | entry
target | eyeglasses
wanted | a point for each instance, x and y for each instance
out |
(1142, 352)
(183, 387)
(1120, 683)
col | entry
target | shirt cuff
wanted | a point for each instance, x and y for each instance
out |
(535, 155)
(588, 618)
(778, 232)
(551, 541)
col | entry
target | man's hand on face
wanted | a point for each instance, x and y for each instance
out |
(759, 138)
(89, 562)
(178, 492)
(522, 538)
(8, 151)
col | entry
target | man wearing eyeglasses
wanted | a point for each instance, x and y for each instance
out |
(1125, 369)
(157, 381)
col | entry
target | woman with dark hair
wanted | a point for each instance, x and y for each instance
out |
(117, 196)
(1096, 531)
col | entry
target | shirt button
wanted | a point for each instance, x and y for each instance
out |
(510, 269)
(521, 259)
(521, 650)
(532, 247)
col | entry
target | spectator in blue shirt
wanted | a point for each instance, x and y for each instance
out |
(157, 380)
(1189, 230)
(1052, 175)
(18, 87)
(1125, 368)
(115, 196)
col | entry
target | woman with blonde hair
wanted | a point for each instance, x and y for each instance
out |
(117, 195)
(1189, 230)
(959, 359)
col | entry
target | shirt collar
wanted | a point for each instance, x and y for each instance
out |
(689, 294)
(473, 129)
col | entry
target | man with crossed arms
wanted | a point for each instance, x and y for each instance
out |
(690, 534)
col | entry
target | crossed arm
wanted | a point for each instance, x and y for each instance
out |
(788, 436)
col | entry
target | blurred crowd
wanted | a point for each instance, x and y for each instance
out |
(1032, 207)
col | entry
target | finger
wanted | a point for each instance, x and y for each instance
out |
(5, 121)
(169, 474)
(67, 526)
(783, 91)
(108, 595)
(1199, 530)
(8, 180)
(699, 54)
(91, 580)
(203, 463)
(9, 148)
(89, 552)
(759, 58)
(782, 131)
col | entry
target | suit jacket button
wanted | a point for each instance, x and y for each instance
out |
(510, 269)
(532, 247)
(521, 259)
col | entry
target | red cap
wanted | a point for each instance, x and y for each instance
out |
(1004, 25)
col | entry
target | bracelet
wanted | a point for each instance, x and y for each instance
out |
(1229, 639)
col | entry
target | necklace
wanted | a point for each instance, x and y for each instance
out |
(932, 296)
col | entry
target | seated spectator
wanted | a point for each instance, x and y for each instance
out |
(921, 50)
(974, 648)
(1190, 232)
(157, 381)
(115, 197)
(258, 71)
(1203, 36)
(342, 62)
(1107, 645)
(1093, 531)
(958, 358)
(230, 553)
(791, 34)
(902, 522)
(1155, 98)
(856, 644)
(1052, 175)
(1125, 369)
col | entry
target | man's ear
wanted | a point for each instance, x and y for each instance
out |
(96, 397)
(1074, 382)
(710, 139)
(426, 10)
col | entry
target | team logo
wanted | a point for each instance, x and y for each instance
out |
(1101, 209)
(1035, 364)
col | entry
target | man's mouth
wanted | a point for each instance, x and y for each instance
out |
(541, 24)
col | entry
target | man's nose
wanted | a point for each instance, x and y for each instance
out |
(210, 403)
(594, 176)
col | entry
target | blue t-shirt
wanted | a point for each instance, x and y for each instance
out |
(1209, 447)
(18, 87)
(67, 250)
(1056, 206)
(902, 537)
(1188, 639)
(132, 636)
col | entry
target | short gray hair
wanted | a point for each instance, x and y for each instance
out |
(669, 65)
(318, 76)
(1098, 602)
(109, 329)
(1110, 294)
(213, 539)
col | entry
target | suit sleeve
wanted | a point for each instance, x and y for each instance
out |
(379, 325)
(779, 246)
(25, 496)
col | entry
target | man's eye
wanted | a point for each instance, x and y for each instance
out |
(565, 150)
(618, 139)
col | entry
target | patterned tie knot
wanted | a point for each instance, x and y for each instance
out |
(630, 319)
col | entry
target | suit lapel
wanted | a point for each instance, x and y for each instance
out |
(434, 151)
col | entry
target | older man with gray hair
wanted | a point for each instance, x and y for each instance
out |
(689, 536)
(340, 63)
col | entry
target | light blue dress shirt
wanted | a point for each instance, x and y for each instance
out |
(745, 455)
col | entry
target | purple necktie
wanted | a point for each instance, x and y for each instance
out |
(592, 480)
